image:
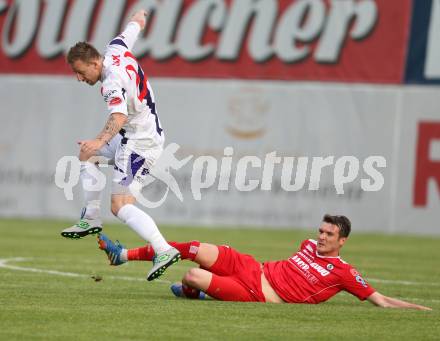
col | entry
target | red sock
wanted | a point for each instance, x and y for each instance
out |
(141, 253)
(187, 251)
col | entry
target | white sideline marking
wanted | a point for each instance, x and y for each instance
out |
(391, 281)
(4, 264)
(420, 299)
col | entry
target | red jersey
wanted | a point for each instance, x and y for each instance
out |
(307, 277)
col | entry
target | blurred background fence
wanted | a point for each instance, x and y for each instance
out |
(304, 78)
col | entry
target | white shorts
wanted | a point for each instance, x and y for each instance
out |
(129, 165)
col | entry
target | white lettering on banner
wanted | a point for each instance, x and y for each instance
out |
(291, 29)
(174, 31)
(432, 66)
(338, 24)
(241, 12)
(158, 43)
(49, 45)
(23, 19)
(192, 28)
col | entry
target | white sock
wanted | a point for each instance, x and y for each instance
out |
(92, 197)
(124, 255)
(144, 226)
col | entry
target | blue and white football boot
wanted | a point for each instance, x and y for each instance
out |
(113, 250)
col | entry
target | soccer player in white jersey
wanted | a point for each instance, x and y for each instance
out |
(132, 137)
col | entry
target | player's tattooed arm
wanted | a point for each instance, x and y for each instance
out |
(114, 124)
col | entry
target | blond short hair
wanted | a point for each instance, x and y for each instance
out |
(82, 51)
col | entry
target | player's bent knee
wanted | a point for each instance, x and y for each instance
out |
(119, 201)
(115, 209)
(193, 277)
(116, 206)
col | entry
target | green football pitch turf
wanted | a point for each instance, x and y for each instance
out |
(47, 291)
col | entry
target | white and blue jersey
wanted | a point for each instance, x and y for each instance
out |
(126, 90)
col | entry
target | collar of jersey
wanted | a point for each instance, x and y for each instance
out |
(318, 255)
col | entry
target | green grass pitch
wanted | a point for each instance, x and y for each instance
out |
(39, 300)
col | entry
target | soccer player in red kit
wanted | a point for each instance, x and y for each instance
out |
(313, 274)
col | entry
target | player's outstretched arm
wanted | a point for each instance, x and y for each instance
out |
(139, 17)
(389, 302)
(130, 34)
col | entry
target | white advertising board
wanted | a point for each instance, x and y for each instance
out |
(45, 116)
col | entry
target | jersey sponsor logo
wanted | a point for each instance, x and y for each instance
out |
(116, 60)
(330, 267)
(312, 279)
(115, 101)
(301, 264)
(305, 267)
(323, 272)
(296, 39)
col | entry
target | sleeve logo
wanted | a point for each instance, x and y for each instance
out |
(115, 101)
(360, 280)
(108, 94)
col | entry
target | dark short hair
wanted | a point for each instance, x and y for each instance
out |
(82, 51)
(340, 221)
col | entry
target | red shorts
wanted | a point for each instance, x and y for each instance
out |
(236, 277)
